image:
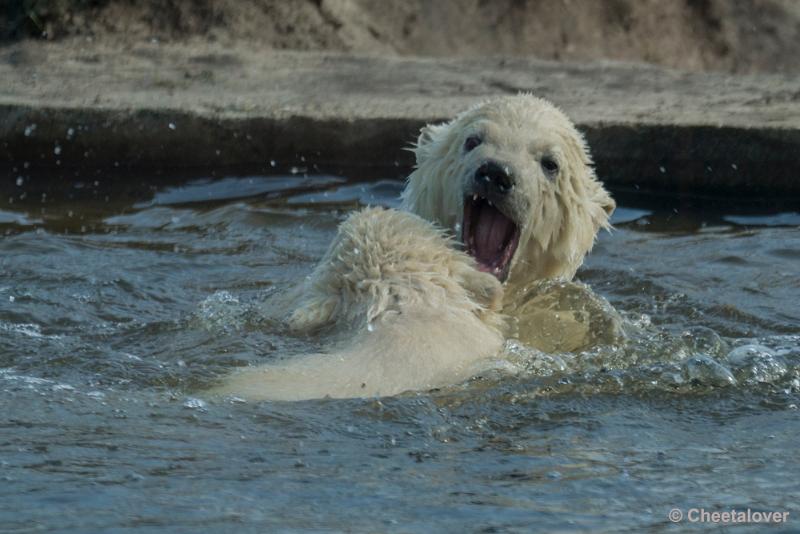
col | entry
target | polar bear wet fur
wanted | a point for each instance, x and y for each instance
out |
(401, 306)
(404, 309)
(513, 179)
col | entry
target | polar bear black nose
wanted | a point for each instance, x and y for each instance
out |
(494, 177)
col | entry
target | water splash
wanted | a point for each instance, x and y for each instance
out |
(223, 310)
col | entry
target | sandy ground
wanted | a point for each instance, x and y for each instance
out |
(235, 81)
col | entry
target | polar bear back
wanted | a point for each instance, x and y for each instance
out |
(385, 261)
(404, 310)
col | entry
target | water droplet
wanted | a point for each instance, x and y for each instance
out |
(272, 163)
(370, 327)
(194, 403)
(30, 129)
(662, 169)
(20, 181)
(70, 133)
(171, 126)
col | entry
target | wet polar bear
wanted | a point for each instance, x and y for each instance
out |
(405, 309)
(513, 179)
(402, 307)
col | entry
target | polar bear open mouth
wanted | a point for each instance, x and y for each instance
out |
(489, 236)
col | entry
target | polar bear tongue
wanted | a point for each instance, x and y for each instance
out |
(493, 234)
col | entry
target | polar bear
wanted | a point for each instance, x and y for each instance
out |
(513, 178)
(405, 309)
(401, 306)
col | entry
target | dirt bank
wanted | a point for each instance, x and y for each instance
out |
(211, 107)
(744, 36)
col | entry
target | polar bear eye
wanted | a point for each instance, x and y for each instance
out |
(472, 142)
(550, 166)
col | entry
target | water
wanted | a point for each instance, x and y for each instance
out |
(117, 313)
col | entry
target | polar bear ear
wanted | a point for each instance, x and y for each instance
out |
(430, 137)
(425, 135)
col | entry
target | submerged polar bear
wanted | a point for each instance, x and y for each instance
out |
(403, 309)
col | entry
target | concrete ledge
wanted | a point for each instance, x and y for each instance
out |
(201, 108)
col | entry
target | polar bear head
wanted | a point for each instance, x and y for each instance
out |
(513, 178)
